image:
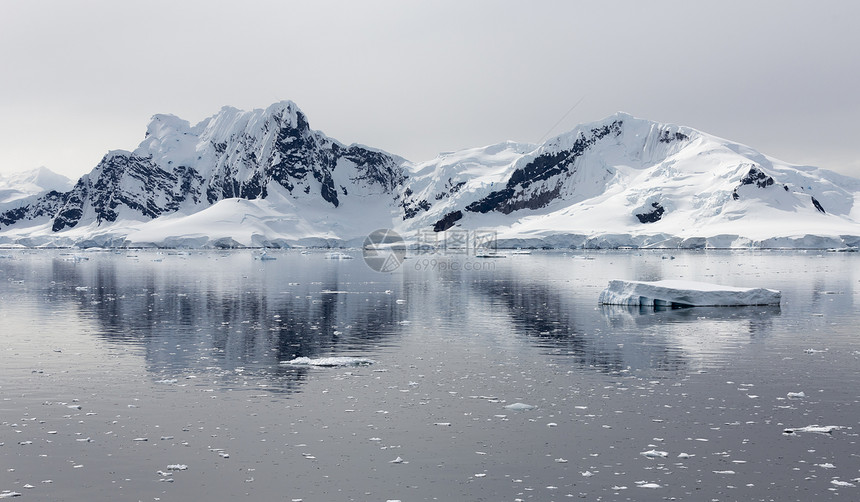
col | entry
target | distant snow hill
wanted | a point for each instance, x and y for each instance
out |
(17, 186)
(265, 178)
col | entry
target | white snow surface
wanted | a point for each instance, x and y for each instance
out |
(695, 177)
(17, 186)
(682, 293)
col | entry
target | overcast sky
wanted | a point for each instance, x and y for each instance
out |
(80, 78)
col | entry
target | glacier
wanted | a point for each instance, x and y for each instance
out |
(265, 178)
(684, 293)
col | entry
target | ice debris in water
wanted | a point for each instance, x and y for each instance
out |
(8, 494)
(796, 395)
(329, 361)
(655, 454)
(177, 467)
(820, 429)
(520, 407)
(645, 484)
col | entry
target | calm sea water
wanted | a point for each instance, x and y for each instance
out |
(155, 376)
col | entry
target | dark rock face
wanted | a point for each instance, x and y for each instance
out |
(47, 205)
(545, 167)
(818, 206)
(667, 137)
(652, 216)
(758, 178)
(294, 156)
(447, 221)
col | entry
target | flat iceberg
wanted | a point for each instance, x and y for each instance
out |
(329, 361)
(680, 293)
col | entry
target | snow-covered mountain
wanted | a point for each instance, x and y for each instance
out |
(265, 178)
(625, 181)
(17, 186)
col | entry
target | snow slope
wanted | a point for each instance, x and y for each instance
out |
(16, 186)
(265, 178)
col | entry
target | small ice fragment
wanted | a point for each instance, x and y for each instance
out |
(642, 484)
(834, 482)
(447, 424)
(140, 439)
(796, 395)
(618, 488)
(820, 429)
(520, 407)
(685, 455)
(166, 438)
(397, 460)
(8, 494)
(655, 454)
(29, 486)
(827, 465)
(480, 475)
(587, 474)
(552, 424)
(177, 467)
(561, 460)
(724, 472)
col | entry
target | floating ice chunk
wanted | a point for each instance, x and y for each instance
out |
(561, 460)
(329, 362)
(679, 293)
(643, 484)
(820, 429)
(617, 488)
(724, 472)
(8, 494)
(827, 465)
(177, 467)
(520, 407)
(397, 460)
(685, 455)
(796, 395)
(836, 482)
(655, 454)
(587, 474)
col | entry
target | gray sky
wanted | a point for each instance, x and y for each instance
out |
(80, 78)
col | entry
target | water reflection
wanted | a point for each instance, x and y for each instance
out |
(227, 312)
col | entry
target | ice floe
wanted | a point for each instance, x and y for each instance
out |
(329, 361)
(819, 429)
(520, 407)
(681, 293)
